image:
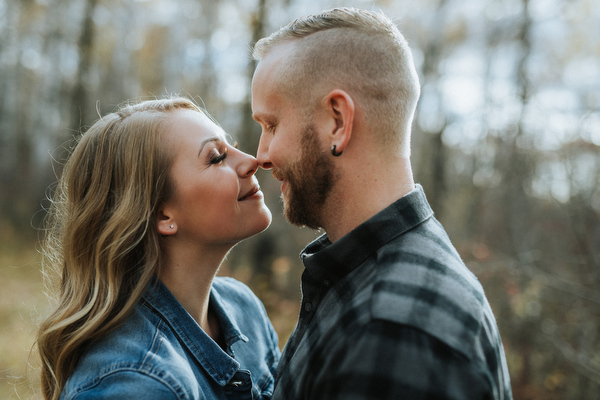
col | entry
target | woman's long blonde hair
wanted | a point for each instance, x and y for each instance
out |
(102, 239)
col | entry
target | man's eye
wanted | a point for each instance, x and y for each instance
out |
(270, 128)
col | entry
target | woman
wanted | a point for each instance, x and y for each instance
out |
(149, 203)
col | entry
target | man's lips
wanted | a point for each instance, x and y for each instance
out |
(250, 193)
(280, 178)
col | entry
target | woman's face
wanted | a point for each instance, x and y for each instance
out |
(216, 198)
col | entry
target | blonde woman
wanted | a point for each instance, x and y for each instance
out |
(149, 203)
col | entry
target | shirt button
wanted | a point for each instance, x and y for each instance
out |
(326, 283)
(308, 307)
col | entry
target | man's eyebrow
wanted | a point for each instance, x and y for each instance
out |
(262, 117)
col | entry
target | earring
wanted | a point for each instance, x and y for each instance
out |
(333, 153)
(172, 226)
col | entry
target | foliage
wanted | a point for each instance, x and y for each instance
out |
(506, 144)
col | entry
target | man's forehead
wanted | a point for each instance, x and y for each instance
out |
(274, 61)
(281, 50)
(266, 99)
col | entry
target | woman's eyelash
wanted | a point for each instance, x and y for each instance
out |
(219, 158)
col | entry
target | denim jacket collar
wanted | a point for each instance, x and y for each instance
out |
(217, 363)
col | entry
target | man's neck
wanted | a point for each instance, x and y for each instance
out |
(361, 196)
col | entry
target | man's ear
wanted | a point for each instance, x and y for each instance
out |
(340, 107)
(165, 225)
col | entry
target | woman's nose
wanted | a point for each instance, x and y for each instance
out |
(247, 166)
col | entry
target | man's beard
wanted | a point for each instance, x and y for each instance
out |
(310, 181)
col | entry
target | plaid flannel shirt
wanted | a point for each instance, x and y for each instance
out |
(391, 312)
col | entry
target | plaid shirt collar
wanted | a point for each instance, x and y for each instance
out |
(329, 262)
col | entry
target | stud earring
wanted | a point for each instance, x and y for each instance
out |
(333, 153)
(172, 226)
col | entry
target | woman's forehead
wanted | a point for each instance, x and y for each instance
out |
(199, 123)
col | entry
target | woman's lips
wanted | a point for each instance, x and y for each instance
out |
(253, 191)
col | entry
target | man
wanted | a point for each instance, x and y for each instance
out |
(389, 310)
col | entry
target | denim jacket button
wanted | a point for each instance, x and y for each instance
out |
(308, 307)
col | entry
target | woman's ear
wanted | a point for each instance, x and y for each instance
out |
(165, 225)
(339, 107)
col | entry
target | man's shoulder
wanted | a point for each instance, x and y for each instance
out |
(421, 282)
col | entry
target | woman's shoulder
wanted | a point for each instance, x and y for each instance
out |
(124, 382)
(126, 357)
(230, 289)
(227, 281)
(239, 303)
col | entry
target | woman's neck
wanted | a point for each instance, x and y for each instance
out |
(189, 278)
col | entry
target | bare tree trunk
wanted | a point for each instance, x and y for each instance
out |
(433, 160)
(19, 85)
(261, 250)
(438, 188)
(79, 97)
(210, 16)
(249, 133)
(518, 169)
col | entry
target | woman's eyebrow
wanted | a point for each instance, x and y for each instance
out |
(209, 140)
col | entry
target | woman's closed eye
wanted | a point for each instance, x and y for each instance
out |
(218, 157)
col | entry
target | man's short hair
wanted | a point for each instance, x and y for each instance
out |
(359, 51)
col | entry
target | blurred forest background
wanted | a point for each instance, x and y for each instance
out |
(506, 144)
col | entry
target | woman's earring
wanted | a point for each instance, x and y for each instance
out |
(172, 226)
(333, 153)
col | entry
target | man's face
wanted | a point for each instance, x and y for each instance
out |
(309, 182)
(290, 146)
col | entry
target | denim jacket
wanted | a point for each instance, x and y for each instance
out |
(160, 352)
